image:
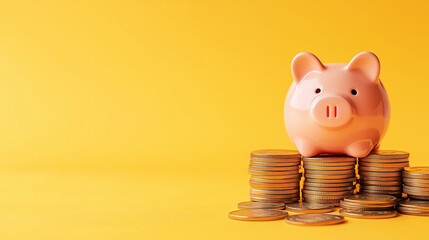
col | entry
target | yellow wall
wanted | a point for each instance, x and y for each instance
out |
(187, 87)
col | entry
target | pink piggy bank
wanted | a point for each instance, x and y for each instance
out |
(336, 108)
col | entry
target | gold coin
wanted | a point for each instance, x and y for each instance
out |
(275, 153)
(335, 202)
(329, 181)
(380, 169)
(415, 204)
(385, 165)
(329, 164)
(264, 180)
(260, 205)
(380, 174)
(326, 176)
(257, 214)
(380, 183)
(370, 199)
(274, 192)
(272, 173)
(416, 172)
(274, 164)
(381, 188)
(289, 168)
(383, 160)
(322, 193)
(330, 172)
(328, 185)
(273, 186)
(307, 207)
(328, 189)
(388, 154)
(417, 189)
(367, 214)
(295, 161)
(330, 168)
(315, 219)
(275, 200)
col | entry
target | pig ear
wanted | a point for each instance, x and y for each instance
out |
(367, 63)
(304, 63)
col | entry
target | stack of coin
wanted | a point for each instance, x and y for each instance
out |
(328, 178)
(275, 176)
(416, 182)
(381, 172)
(414, 207)
(368, 206)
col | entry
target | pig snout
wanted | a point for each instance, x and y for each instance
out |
(331, 111)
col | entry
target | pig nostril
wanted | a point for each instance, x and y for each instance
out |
(335, 111)
(327, 111)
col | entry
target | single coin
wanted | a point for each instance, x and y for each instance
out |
(329, 159)
(322, 193)
(419, 197)
(384, 165)
(330, 168)
(273, 192)
(274, 164)
(417, 204)
(329, 181)
(257, 214)
(381, 179)
(328, 185)
(388, 154)
(363, 207)
(273, 186)
(272, 173)
(275, 200)
(380, 174)
(381, 192)
(330, 172)
(271, 196)
(294, 176)
(260, 205)
(326, 176)
(275, 153)
(380, 169)
(329, 164)
(408, 211)
(324, 197)
(264, 180)
(383, 160)
(328, 189)
(380, 183)
(369, 205)
(307, 207)
(381, 188)
(368, 214)
(276, 169)
(315, 219)
(416, 180)
(370, 199)
(335, 202)
(295, 161)
(416, 172)
(424, 190)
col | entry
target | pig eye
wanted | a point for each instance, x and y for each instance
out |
(354, 92)
(317, 90)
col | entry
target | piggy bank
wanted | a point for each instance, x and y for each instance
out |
(336, 108)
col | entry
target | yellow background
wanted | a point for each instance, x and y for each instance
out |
(135, 119)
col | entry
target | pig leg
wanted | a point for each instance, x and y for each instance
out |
(360, 148)
(305, 148)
